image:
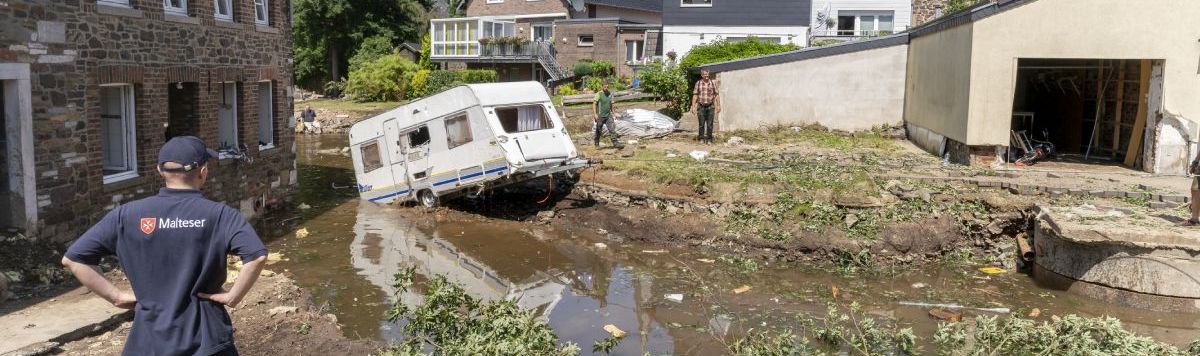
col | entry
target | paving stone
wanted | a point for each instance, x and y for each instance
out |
(1175, 199)
(1162, 205)
(1137, 195)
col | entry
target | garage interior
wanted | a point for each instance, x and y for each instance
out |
(1092, 110)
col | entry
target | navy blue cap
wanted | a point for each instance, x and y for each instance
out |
(188, 151)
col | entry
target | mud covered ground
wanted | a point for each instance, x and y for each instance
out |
(276, 318)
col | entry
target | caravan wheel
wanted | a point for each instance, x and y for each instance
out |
(427, 199)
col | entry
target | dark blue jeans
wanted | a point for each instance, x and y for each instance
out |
(704, 113)
(601, 123)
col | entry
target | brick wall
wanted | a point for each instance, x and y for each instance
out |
(74, 46)
(604, 45)
(515, 7)
(926, 10)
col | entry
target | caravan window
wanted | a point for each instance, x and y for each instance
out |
(371, 159)
(418, 137)
(524, 118)
(458, 131)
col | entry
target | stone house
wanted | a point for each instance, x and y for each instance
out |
(556, 34)
(92, 88)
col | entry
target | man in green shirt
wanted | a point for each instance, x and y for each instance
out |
(602, 116)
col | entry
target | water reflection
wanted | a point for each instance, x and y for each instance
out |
(566, 284)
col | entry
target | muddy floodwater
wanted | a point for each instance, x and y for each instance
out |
(580, 283)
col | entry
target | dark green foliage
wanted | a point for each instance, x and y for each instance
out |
(602, 68)
(451, 322)
(721, 51)
(371, 49)
(669, 83)
(440, 80)
(583, 69)
(958, 5)
(329, 32)
(384, 79)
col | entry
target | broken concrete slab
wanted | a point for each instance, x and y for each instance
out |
(1118, 249)
(70, 316)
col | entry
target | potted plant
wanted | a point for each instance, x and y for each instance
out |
(484, 49)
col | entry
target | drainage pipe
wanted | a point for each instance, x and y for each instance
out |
(1023, 246)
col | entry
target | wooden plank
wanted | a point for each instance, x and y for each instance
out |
(1116, 139)
(1139, 124)
(1099, 106)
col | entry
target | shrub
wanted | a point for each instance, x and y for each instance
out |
(440, 80)
(593, 83)
(386, 78)
(583, 69)
(567, 89)
(371, 49)
(419, 85)
(669, 83)
(602, 68)
(722, 50)
(335, 88)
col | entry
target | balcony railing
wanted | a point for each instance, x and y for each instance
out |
(525, 50)
(850, 34)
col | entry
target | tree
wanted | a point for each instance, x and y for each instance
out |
(426, 50)
(327, 32)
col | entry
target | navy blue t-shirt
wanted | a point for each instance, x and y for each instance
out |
(173, 246)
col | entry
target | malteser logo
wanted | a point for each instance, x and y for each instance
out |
(149, 225)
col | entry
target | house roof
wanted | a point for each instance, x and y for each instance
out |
(415, 47)
(966, 16)
(809, 53)
(574, 5)
(643, 5)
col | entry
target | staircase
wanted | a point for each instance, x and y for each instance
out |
(545, 57)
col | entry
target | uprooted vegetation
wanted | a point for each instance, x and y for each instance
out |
(848, 330)
(829, 195)
(451, 322)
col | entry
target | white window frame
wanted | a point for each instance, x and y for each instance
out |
(270, 119)
(228, 6)
(129, 123)
(639, 51)
(534, 27)
(265, 7)
(579, 38)
(182, 10)
(118, 3)
(683, 3)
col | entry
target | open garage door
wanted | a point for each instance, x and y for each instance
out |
(1088, 110)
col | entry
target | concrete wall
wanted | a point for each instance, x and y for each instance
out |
(681, 39)
(853, 91)
(1108, 29)
(939, 77)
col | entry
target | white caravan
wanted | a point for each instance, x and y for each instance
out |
(473, 136)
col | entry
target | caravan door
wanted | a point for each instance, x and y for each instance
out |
(398, 163)
(416, 151)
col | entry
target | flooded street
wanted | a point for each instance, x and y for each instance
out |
(581, 282)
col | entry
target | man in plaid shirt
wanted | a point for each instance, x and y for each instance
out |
(705, 102)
